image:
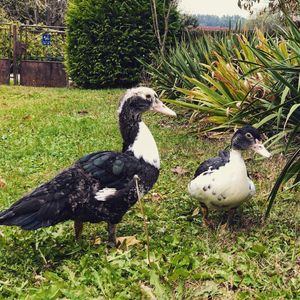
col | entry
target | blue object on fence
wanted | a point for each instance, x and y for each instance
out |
(46, 39)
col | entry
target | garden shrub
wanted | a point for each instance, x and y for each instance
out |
(106, 39)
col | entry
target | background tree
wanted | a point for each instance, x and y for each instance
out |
(3, 15)
(224, 21)
(162, 35)
(289, 7)
(48, 12)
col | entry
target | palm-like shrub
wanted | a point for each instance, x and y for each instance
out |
(186, 60)
(257, 82)
(183, 60)
(290, 170)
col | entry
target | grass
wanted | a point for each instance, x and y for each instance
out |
(45, 130)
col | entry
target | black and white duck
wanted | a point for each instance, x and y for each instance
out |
(222, 182)
(100, 186)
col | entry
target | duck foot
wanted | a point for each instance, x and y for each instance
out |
(208, 223)
(224, 227)
(230, 215)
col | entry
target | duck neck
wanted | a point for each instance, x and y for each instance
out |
(236, 154)
(138, 139)
(236, 160)
(129, 127)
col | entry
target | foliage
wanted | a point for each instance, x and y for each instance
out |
(188, 59)
(3, 15)
(45, 130)
(168, 72)
(48, 12)
(287, 7)
(35, 50)
(106, 39)
(5, 41)
(257, 82)
(265, 21)
(290, 170)
(189, 21)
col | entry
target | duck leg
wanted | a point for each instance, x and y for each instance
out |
(206, 221)
(78, 226)
(230, 215)
(112, 240)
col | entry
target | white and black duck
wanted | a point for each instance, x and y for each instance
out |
(99, 186)
(222, 182)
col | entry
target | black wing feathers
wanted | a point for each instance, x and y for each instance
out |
(43, 207)
(112, 169)
(213, 163)
(57, 200)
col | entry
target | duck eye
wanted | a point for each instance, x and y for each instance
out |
(148, 96)
(249, 135)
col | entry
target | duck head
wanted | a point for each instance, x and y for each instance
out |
(138, 100)
(249, 137)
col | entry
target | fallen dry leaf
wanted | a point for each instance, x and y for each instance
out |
(127, 241)
(27, 117)
(2, 183)
(97, 241)
(156, 196)
(148, 291)
(39, 278)
(179, 170)
(196, 212)
(256, 175)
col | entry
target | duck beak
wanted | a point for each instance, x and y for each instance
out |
(158, 106)
(259, 148)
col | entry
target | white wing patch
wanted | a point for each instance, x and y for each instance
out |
(102, 195)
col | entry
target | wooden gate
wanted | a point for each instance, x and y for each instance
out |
(5, 52)
(33, 54)
(41, 56)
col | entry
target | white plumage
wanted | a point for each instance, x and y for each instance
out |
(145, 147)
(226, 187)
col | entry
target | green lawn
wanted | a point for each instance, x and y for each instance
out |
(45, 130)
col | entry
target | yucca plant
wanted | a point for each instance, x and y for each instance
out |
(281, 61)
(223, 94)
(259, 84)
(290, 170)
(186, 60)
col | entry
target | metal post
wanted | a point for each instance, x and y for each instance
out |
(15, 55)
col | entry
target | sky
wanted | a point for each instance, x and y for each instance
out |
(214, 7)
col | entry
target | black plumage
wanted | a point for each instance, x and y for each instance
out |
(99, 186)
(213, 163)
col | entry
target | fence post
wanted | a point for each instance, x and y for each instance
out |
(15, 55)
